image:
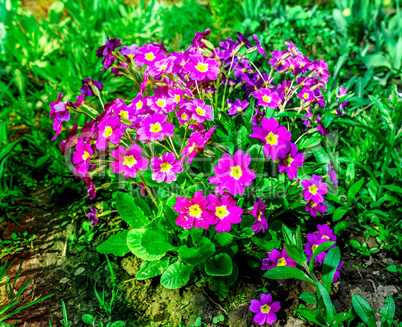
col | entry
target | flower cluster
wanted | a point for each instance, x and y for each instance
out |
(313, 192)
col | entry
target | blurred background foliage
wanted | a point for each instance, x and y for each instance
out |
(47, 47)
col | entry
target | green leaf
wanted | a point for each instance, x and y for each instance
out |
(377, 60)
(342, 226)
(330, 264)
(323, 294)
(151, 269)
(340, 212)
(340, 317)
(393, 188)
(223, 239)
(176, 275)
(308, 314)
(298, 256)
(155, 243)
(354, 189)
(308, 297)
(129, 211)
(285, 272)
(322, 248)
(388, 310)
(355, 244)
(201, 252)
(134, 244)
(363, 310)
(308, 142)
(219, 265)
(88, 319)
(115, 244)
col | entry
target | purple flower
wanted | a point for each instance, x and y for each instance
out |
(129, 52)
(257, 118)
(128, 162)
(202, 68)
(278, 259)
(109, 129)
(258, 213)
(233, 174)
(196, 143)
(332, 175)
(166, 168)
(314, 189)
(223, 212)
(88, 86)
(243, 40)
(321, 128)
(163, 66)
(199, 110)
(315, 208)
(337, 274)
(306, 94)
(81, 157)
(291, 161)
(161, 104)
(91, 191)
(294, 51)
(191, 212)
(70, 141)
(236, 107)
(105, 52)
(148, 55)
(275, 137)
(261, 51)
(313, 242)
(155, 127)
(342, 92)
(326, 233)
(93, 216)
(267, 98)
(265, 310)
(197, 40)
(59, 113)
(278, 59)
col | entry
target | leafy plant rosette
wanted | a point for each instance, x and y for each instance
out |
(216, 147)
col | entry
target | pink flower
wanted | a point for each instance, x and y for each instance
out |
(275, 137)
(128, 161)
(314, 189)
(223, 212)
(306, 94)
(166, 168)
(81, 158)
(148, 55)
(291, 161)
(191, 212)
(196, 143)
(233, 174)
(315, 208)
(163, 66)
(155, 127)
(200, 111)
(264, 309)
(110, 129)
(267, 98)
(202, 68)
(259, 213)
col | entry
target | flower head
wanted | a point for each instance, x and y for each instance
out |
(233, 174)
(315, 208)
(129, 52)
(128, 162)
(105, 52)
(275, 137)
(155, 127)
(332, 175)
(148, 55)
(267, 98)
(278, 259)
(223, 212)
(81, 157)
(166, 168)
(326, 233)
(314, 189)
(58, 112)
(90, 87)
(199, 110)
(196, 143)
(264, 309)
(202, 68)
(291, 162)
(93, 216)
(261, 51)
(258, 213)
(191, 211)
(109, 129)
(236, 107)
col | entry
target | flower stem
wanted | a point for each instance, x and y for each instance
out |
(189, 176)
(148, 189)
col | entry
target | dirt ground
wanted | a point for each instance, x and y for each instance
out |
(55, 268)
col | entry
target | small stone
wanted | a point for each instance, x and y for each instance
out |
(79, 271)
(64, 280)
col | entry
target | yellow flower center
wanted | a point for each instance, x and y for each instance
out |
(161, 103)
(325, 236)
(86, 155)
(314, 247)
(177, 98)
(131, 56)
(129, 161)
(182, 63)
(108, 131)
(281, 262)
(123, 114)
(305, 96)
(221, 212)
(236, 172)
(287, 160)
(313, 189)
(294, 51)
(265, 308)
(272, 138)
(200, 111)
(313, 204)
(184, 116)
(195, 211)
(149, 56)
(201, 67)
(165, 167)
(139, 104)
(163, 68)
(266, 98)
(155, 128)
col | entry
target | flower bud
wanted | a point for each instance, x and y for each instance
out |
(346, 12)
(208, 44)
(251, 50)
(206, 53)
